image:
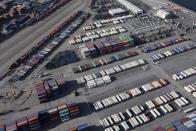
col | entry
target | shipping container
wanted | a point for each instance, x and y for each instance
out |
(33, 121)
(22, 124)
(43, 116)
(2, 127)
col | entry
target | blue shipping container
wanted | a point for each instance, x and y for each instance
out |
(83, 127)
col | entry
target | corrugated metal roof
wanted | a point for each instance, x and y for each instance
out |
(130, 6)
(116, 11)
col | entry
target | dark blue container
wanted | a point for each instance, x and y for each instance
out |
(83, 127)
(2, 127)
(192, 128)
(43, 116)
(176, 123)
(182, 128)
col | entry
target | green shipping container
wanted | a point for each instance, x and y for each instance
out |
(168, 126)
(127, 37)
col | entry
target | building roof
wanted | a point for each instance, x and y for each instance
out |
(164, 12)
(116, 11)
(130, 6)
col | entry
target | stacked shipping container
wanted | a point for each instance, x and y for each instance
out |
(48, 88)
(22, 124)
(73, 108)
(105, 46)
(187, 123)
(33, 121)
(63, 112)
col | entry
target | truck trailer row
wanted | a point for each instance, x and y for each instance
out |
(111, 71)
(106, 22)
(191, 89)
(138, 115)
(184, 74)
(104, 61)
(99, 105)
(172, 52)
(91, 36)
(164, 44)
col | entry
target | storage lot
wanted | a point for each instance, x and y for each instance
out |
(122, 81)
(127, 80)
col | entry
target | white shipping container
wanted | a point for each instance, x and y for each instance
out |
(188, 89)
(116, 128)
(91, 84)
(139, 120)
(184, 100)
(106, 79)
(135, 121)
(129, 113)
(110, 120)
(157, 112)
(122, 116)
(132, 123)
(153, 113)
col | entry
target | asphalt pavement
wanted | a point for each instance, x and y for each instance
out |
(20, 43)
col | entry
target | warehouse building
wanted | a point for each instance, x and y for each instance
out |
(116, 11)
(130, 6)
(163, 14)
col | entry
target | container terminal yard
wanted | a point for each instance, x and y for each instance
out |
(97, 65)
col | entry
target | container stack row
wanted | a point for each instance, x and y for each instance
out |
(90, 36)
(165, 44)
(47, 89)
(173, 52)
(150, 104)
(111, 71)
(106, 45)
(104, 61)
(116, 99)
(187, 123)
(191, 89)
(63, 112)
(184, 74)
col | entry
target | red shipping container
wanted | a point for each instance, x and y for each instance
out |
(11, 127)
